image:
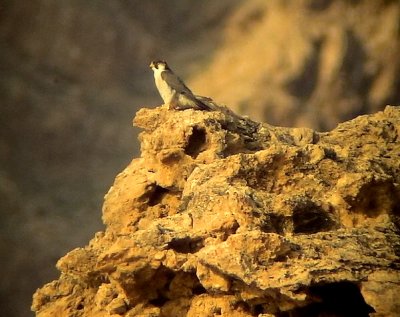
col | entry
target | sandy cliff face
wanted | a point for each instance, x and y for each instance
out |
(224, 216)
(311, 63)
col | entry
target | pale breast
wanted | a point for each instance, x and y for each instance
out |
(167, 94)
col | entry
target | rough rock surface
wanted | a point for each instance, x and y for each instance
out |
(224, 216)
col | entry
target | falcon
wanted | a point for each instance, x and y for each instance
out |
(173, 90)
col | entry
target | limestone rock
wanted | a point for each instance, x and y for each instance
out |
(224, 216)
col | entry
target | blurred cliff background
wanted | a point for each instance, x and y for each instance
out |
(73, 74)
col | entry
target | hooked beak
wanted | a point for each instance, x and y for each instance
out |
(152, 65)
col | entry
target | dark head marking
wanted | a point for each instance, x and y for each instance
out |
(156, 64)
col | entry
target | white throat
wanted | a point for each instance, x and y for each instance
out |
(157, 72)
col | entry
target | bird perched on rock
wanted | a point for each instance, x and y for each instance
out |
(173, 90)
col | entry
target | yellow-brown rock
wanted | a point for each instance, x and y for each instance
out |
(224, 216)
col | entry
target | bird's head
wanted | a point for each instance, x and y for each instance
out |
(159, 65)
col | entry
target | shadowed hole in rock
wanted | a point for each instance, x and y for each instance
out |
(375, 198)
(159, 301)
(258, 309)
(173, 285)
(162, 280)
(199, 289)
(217, 311)
(242, 306)
(196, 142)
(274, 223)
(310, 218)
(340, 299)
(96, 281)
(330, 154)
(186, 245)
(156, 195)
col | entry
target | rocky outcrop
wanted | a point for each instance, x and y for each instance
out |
(224, 216)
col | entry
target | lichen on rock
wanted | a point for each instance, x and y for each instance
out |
(224, 216)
